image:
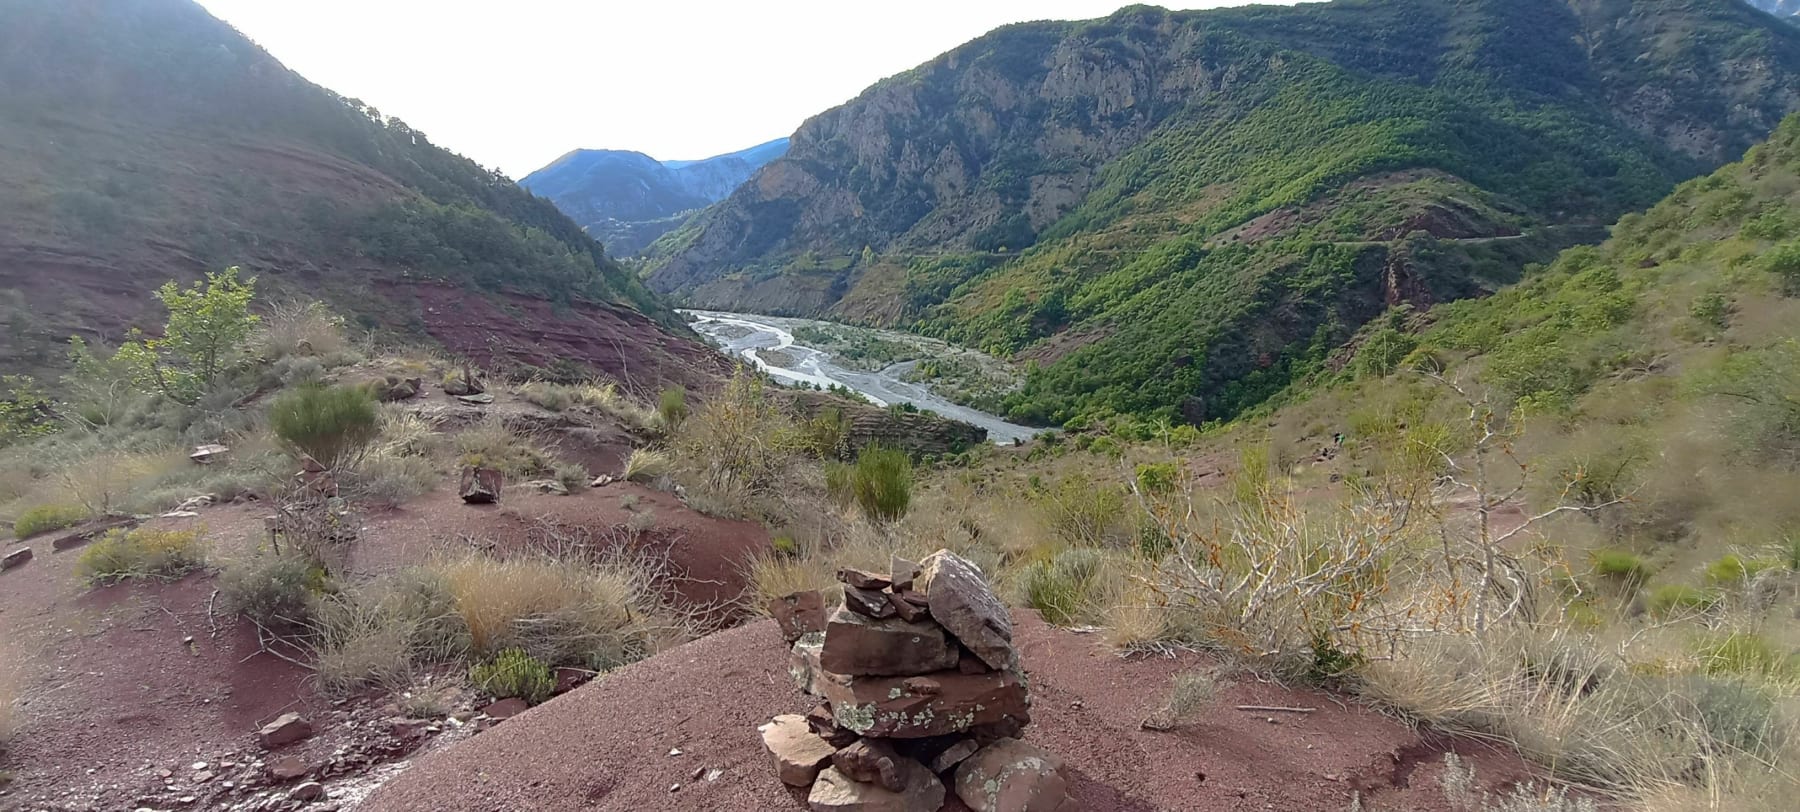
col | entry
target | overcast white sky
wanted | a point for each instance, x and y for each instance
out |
(516, 83)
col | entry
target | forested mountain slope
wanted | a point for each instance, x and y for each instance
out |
(627, 199)
(144, 140)
(1177, 213)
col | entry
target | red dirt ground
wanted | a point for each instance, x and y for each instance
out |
(121, 683)
(611, 744)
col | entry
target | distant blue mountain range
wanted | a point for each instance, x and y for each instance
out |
(627, 199)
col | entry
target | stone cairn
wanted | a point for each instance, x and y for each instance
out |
(920, 687)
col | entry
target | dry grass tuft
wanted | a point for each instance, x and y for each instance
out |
(595, 610)
(493, 443)
(647, 465)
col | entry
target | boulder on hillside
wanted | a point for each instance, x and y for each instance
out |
(285, 730)
(16, 558)
(481, 486)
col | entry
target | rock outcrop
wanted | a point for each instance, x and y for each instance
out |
(921, 687)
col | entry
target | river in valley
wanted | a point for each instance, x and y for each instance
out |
(768, 342)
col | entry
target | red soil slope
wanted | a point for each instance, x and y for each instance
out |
(652, 735)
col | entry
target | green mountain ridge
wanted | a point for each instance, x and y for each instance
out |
(145, 140)
(1177, 214)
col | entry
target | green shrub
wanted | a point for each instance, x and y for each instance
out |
(881, 481)
(1157, 478)
(513, 673)
(276, 591)
(1672, 599)
(672, 407)
(1784, 262)
(1621, 565)
(1734, 569)
(331, 424)
(1061, 588)
(141, 553)
(1788, 552)
(44, 518)
(1711, 310)
(840, 483)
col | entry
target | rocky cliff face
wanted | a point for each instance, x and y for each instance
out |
(1048, 177)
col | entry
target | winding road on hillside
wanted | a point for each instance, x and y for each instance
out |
(757, 339)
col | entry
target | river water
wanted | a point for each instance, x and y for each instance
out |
(742, 335)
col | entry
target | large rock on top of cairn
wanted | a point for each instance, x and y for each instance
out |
(961, 601)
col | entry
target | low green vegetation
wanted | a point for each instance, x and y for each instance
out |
(513, 673)
(141, 553)
(44, 518)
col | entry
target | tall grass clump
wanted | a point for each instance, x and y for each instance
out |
(306, 329)
(1065, 587)
(331, 424)
(647, 465)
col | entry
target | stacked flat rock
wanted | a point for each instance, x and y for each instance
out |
(920, 691)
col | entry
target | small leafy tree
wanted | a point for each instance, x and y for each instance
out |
(208, 328)
(24, 411)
